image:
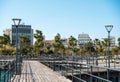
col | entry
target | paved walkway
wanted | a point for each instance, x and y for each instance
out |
(34, 71)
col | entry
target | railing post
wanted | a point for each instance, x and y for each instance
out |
(107, 74)
(72, 75)
(106, 62)
(4, 76)
(98, 73)
(114, 62)
(53, 65)
(91, 73)
(80, 72)
(0, 74)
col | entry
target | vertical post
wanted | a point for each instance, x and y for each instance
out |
(109, 28)
(80, 71)
(17, 66)
(106, 61)
(98, 73)
(108, 54)
(72, 75)
(108, 74)
(109, 49)
(0, 74)
(16, 24)
(91, 73)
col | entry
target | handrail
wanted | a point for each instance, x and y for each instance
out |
(98, 77)
(78, 63)
(88, 74)
(78, 78)
(6, 76)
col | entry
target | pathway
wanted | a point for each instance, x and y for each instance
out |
(34, 71)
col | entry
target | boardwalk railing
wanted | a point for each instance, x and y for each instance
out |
(79, 71)
(7, 70)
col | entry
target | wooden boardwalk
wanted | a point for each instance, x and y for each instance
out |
(34, 71)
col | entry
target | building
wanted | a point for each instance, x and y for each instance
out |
(23, 30)
(112, 41)
(83, 39)
(48, 41)
(64, 42)
(9, 33)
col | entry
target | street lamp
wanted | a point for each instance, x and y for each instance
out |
(109, 28)
(16, 22)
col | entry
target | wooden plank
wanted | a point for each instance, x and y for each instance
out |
(34, 71)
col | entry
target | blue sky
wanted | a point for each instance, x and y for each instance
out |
(67, 17)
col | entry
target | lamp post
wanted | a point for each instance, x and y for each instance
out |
(16, 22)
(109, 28)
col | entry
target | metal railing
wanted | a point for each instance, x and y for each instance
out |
(7, 71)
(71, 68)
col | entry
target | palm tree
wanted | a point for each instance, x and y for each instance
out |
(105, 45)
(24, 45)
(98, 46)
(88, 48)
(67, 51)
(4, 41)
(72, 42)
(119, 45)
(114, 51)
(39, 45)
(58, 47)
(1, 43)
(119, 42)
(47, 48)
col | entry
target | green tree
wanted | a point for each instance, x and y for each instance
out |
(67, 51)
(119, 45)
(58, 47)
(72, 42)
(1, 44)
(39, 45)
(114, 51)
(119, 42)
(47, 48)
(24, 45)
(105, 45)
(98, 47)
(88, 48)
(4, 41)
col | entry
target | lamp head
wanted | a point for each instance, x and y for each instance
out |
(16, 21)
(109, 27)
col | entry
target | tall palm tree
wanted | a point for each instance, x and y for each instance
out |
(1, 43)
(39, 45)
(24, 40)
(4, 41)
(47, 48)
(119, 45)
(98, 46)
(119, 42)
(24, 45)
(105, 45)
(114, 51)
(72, 42)
(58, 47)
(88, 48)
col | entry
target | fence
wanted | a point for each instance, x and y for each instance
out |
(7, 70)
